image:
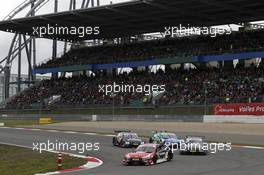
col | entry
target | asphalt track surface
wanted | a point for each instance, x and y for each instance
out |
(238, 161)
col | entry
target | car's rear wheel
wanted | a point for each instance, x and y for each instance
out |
(150, 140)
(204, 153)
(115, 142)
(123, 144)
(182, 153)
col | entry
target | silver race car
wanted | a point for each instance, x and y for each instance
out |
(194, 145)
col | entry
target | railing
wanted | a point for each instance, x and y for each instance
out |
(183, 108)
(210, 53)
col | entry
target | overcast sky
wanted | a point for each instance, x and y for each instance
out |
(44, 46)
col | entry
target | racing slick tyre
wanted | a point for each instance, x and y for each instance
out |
(204, 153)
(115, 142)
(183, 153)
(154, 159)
(150, 140)
(122, 144)
(169, 156)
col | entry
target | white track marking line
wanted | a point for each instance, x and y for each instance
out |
(70, 132)
(20, 128)
(12, 144)
(89, 133)
(35, 129)
(50, 130)
(249, 147)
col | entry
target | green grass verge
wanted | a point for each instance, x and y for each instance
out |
(23, 161)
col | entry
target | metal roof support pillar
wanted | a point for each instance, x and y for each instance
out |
(54, 47)
(74, 4)
(87, 3)
(7, 69)
(33, 49)
(19, 65)
(34, 57)
(28, 53)
(83, 3)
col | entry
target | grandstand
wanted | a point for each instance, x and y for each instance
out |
(218, 73)
(183, 87)
(177, 49)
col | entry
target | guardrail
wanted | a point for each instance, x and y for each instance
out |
(233, 119)
(141, 118)
(65, 117)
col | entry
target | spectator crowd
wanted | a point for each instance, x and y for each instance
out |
(183, 87)
(163, 48)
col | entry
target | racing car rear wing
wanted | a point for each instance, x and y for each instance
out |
(195, 136)
(158, 131)
(118, 131)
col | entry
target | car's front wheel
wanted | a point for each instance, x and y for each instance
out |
(169, 156)
(123, 144)
(154, 159)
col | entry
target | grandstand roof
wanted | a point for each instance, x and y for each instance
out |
(143, 16)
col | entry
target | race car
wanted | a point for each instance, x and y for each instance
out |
(194, 145)
(126, 139)
(164, 137)
(148, 154)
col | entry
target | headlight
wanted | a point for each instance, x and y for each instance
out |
(127, 143)
(142, 143)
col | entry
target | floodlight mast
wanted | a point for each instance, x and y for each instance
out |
(21, 41)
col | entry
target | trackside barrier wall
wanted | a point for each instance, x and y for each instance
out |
(75, 117)
(147, 118)
(154, 118)
(233, 119)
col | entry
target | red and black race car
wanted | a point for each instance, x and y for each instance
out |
(148, 154)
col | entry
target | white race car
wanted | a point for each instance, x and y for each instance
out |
(194, 145)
